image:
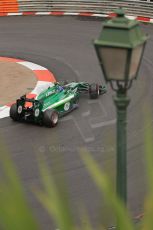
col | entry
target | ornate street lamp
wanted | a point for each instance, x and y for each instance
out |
(120, 49)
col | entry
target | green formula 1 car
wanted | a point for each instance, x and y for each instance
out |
(54, 102)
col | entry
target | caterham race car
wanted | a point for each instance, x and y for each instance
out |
(53, 103)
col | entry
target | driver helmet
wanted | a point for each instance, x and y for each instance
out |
(60, 88)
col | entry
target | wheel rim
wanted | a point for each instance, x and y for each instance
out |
(37, 111)
(54, 118)
(19, 109)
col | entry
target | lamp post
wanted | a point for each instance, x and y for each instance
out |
(120, 49)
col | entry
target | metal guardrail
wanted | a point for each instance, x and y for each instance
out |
(132, 7)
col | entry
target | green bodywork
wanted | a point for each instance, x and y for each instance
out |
(56, 98)
(62, 98)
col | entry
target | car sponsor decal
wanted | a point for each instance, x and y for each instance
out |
(67, 106)
(59, 103)
(50, 93)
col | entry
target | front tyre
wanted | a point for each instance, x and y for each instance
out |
(93, 91)
(14, 113)
(50, 118)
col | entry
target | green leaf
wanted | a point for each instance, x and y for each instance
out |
(148, 206)
(15, 213)
(55, 199)
(102, 181)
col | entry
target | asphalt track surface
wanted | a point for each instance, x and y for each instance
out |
(64, 45)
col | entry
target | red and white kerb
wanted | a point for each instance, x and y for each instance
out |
(44, 79)
(85, 14)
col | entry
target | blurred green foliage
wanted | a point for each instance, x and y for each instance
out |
(16, 213)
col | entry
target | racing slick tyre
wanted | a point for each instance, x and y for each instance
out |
(14, 113)
(50, 118)
(93, 91)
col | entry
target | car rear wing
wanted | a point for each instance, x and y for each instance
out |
(27, 102)
(25, 99)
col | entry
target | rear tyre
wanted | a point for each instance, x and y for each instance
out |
(93, 91)
(14, 113)
(50, 118)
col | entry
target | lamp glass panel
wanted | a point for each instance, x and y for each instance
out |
(114, 62)
(135, 60)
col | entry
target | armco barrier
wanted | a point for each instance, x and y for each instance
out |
(134, 8)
